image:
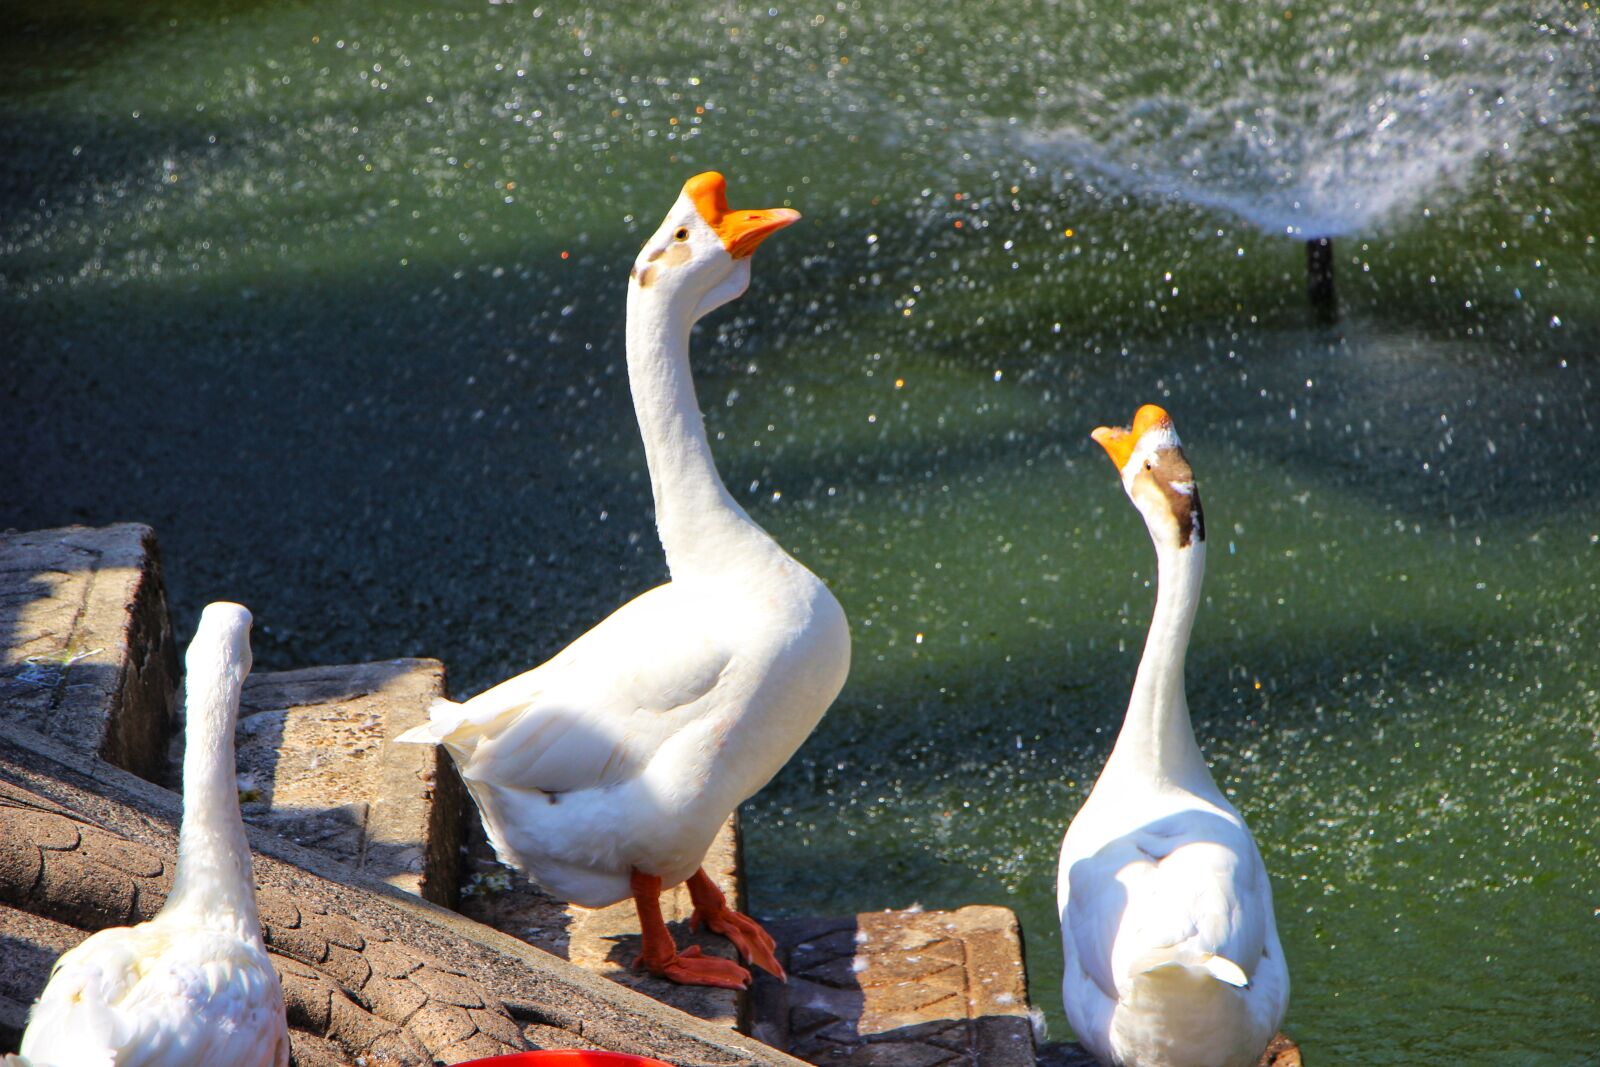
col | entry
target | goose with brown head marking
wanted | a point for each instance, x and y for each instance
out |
(606, 772)
(1172, 952)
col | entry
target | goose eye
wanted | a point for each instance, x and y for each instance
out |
(682, 234)
(1147, 466)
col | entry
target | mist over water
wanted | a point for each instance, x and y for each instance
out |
(333, 297)
(1323, 120)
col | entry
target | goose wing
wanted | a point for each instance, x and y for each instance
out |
(1206, 894)
(1097, 901)
(78, 1018)
(597, 712)
(1184, 889)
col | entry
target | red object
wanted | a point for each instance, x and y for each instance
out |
(567, 1057)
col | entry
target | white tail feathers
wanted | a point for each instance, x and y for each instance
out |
(443, 717)
(1225, 970)
(419, 735)
(1219, 967)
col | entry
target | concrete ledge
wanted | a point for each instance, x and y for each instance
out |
(901, 989)
(88, 845)
(343, 981)
(317, 764)
(86, 649)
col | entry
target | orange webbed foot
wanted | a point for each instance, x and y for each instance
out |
(711, 910)
(659, 953)
(755, 945)
(692, 967)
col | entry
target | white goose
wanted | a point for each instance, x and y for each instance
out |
(192, 987)
(607, 771)
(1172, 954)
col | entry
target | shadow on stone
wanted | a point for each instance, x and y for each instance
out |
(317, 765)
(86, 649)
(499, 896)
(900, 989)
(29, 945)
(605, 941)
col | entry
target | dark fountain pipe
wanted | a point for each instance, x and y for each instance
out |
(1319, 278)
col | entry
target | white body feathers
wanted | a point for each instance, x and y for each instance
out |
(1172, 954)
(160, 994)
(631, 747)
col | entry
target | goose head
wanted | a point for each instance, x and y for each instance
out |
(700, 257)
(1157, 477)
(221, 646)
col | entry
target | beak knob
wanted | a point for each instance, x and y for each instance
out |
(741, 231)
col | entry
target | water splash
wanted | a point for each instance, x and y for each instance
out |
(1351, 125)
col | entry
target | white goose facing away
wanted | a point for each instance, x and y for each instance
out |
(607, 771)
(1172, 953)
(193, 986)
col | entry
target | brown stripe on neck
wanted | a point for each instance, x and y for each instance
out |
(1169, 467)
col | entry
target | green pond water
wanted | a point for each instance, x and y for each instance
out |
(332, 295)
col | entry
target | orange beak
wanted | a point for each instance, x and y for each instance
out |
(1120, 442)
(741, 231)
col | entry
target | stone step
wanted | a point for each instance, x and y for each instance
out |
(606, 940)
(87, 658)
(87, 667)
(317, 764)
(371, 974)
(900, 989)
(86, 649)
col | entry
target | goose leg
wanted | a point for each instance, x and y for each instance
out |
(711, 908)
(660, 955)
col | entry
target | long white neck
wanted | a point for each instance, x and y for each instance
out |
(702, 528)
(1157, 742)
(214, 883)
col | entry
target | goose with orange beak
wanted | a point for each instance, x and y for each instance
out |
(1172, 952)
(606, 772)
